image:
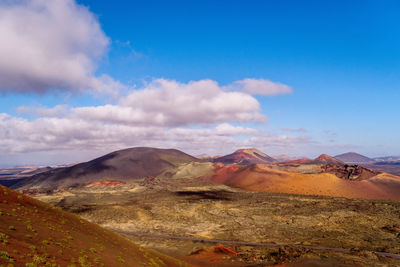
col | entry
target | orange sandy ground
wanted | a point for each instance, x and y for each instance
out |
(259, 178)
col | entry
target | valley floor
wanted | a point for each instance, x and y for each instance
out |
(220, 212)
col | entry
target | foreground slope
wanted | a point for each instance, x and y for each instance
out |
(36, 233)
(123, 165)
(261, 178)
(245, 157)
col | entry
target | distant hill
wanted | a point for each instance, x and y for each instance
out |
(122, 165)
(352, 157)
(245, 157)
(11, 176)
(326, 159)
(322, 159)
(33, 233)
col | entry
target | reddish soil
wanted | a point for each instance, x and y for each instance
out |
(298, 161)
(37, 233)
(218, 256)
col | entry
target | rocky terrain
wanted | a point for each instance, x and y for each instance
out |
(289, 222)
(300, 213)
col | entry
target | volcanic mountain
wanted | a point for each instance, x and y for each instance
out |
(245, 157)
(260, 178)
(33, 233)
(326, 159)
(352, 157)
(122, 165)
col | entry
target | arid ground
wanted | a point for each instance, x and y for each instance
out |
(222, 213)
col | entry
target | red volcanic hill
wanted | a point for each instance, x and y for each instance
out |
(245, 157)
(260, 178)
(326, 159)
(122, 165)
(33, 233)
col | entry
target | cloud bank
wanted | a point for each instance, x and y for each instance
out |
(166, 113)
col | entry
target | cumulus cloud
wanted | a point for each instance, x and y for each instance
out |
(260, 87)
(49, 45)
(172, 103)
(166, 103)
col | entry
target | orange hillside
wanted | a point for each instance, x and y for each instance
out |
(33, 233)
(260, 178)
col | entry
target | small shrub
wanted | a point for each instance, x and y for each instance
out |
(4, 255)
(121, 259)
(11, 227)
(38, 259)
(3, 236)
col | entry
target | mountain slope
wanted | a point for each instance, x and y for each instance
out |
(352, 157)
(260, 178)
(245, 157)
(33, 233)
(298, 161)
(326, 159)
(123, 165)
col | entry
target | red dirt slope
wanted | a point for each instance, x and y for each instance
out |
(298, 161)
(260, 178)
(33, 233)
(245, 157)
(326, 159)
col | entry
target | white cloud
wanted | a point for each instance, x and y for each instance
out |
(170, 103)
(48, 45)
(260, 87)
(200, 102)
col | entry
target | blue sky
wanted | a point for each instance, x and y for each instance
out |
(341, 59)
